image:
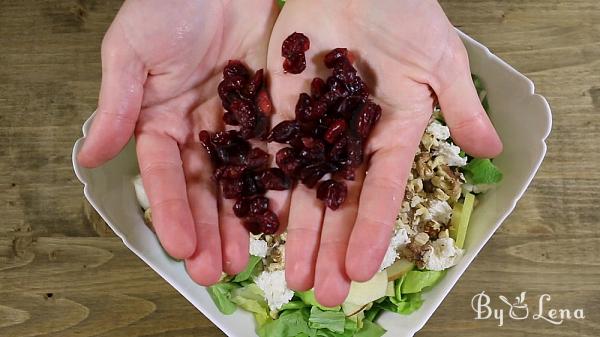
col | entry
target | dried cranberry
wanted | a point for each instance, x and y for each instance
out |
(284, 131)
(333, 193)
(313, 150)
(335, 130)
(333, 57)
(232, 188)
(304, 108)
(229, 172)
(346, 172)
(311, 174)
(365, 119)
(296, 43)
(288, 161)
(241, 208)
(254, 84)
(275, 179)
(338, 151)
(337, 87)
(257, 159)
(235, 68)
(229, 118)
(263, 102)
(317, 87)
(268, 222)
(295, 63)
(258, 205)
(355, 151)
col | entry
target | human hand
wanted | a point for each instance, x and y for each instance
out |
(408, 53)
(161, 64)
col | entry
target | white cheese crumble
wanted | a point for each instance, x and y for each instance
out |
(440, 211)
(443, 254)
(399, 239)
(140, 192)
(274, 288)
(449, 152)
(258, 247)
(439, 131)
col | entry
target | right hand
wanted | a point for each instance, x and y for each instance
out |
(161, 63)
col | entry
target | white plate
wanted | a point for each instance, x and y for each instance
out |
(522, 118)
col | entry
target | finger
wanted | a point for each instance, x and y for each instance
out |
(204, 266)
(303, 236)
(331, 280)
(469, 124)
(380, 201)
(163, 178)
(235, 239)
(121, 92)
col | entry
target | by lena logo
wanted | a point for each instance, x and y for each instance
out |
(520, 310)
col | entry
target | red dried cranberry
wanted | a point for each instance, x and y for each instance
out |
(284, 131)
(241, 208)
(333, 193)
(311, 174)
(235, 68)
(254, 84)
(288, 161)
(338, 151)
(258, 205)
(275, 179)
(346, 172)
(335, 130)
(229, 172)
(304, 108)
(355, 151)
(257, 159)
(333, 57)
(268, 222)
(232, 188)
(317, 87)
(229, 118)
(294, 64)
(337, 87)
(263, 102)
(313, 149)
(296, 43)
(365, 119)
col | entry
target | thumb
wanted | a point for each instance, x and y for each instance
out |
(121, 91)
(469, 124)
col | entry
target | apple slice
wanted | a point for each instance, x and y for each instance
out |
(351, 309)
(390, 289)
(362, 293)
(398, 269)
(461, 214)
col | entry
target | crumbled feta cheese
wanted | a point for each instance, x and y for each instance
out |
(415, 201)
(258, 247)
(274, 288)
(140, 193)
(442, 254)
(440, 211)
(399, 239)
(439, 131)
(449, 152)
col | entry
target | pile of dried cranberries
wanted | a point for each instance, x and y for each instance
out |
(327, 136)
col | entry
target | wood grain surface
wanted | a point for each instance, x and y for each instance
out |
(63, 273)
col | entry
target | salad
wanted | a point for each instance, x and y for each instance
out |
(428, 239)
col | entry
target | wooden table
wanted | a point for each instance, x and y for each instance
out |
(63, 273)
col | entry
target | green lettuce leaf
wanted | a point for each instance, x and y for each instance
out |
(332, 320)
(220, 293)
(308, 297)
(251, 298)
(416, 280)
(293, 305)
(482, 171)
(254, 264)
(291, 323)
(370, 329)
